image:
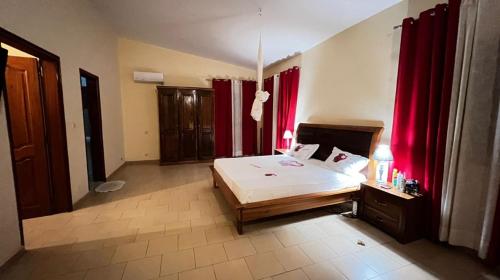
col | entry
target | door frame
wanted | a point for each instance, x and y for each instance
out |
(24, 45)
(101, 166)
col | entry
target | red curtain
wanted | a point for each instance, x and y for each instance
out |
(223, 118)
(422, 102)
(267, 119)
(248, 124)
(287, 102)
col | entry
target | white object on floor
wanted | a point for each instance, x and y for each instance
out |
(110, 186)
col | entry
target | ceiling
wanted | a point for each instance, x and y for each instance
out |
(228, 30)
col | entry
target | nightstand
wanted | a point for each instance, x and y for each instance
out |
(281, 151)
(398, 214)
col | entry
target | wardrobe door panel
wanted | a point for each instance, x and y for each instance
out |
(205, 124)
(188, 124)
(169, 125)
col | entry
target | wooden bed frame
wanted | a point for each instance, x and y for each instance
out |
(360, 140)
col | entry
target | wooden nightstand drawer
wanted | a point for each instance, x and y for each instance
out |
(383, 202)
(384, 222)
(394, 212)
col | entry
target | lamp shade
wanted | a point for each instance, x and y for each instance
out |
(383, 153)
(287, 135)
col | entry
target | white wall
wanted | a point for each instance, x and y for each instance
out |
(10, 240)
(77, 33)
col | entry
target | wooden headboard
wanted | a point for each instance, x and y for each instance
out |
(360, 140)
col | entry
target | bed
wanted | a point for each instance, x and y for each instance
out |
(266, 186)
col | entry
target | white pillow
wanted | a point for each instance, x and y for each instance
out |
(303, 151)
(345, 162)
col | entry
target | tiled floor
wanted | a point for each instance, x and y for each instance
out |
(169, 223)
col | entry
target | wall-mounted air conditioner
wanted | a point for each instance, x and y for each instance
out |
(148, 77)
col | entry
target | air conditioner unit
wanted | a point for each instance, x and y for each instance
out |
(148, 77)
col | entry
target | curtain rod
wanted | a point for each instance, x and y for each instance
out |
(433, 13)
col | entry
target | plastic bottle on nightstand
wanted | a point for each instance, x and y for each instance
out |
(401, 182)
(394, 178)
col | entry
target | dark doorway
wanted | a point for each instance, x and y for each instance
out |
(92, 124)
(36, 128)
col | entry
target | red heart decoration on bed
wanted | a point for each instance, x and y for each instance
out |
(298, 148)
(339, 157)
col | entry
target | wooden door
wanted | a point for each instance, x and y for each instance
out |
(169, 124)
(56, 137)
(25, 115)
(187, 125)
(205, 124)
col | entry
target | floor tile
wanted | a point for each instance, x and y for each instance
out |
(318, 251)
(204, 273)
(239, 248)
(174, 276)
(219, 234)
(192, 239)
(130, 251)
(291, 236)
(71, 276)
(94, 258)
(378, 261)
(150, 232)
(292, 275)
(177, 227)
(353, 268)
(292, 258)
(409, 272)
(342, 245)
(265, 242)
(323, 271)
(202, 223)
(180, 200)
(110, 272)
(208, 255)
(143, 269)
(162, 245)
(264, 265)
(232, 270)
(177, 262)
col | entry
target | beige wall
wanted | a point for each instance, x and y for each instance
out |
(140, 108)
(280, 66)
(351, 77)
(10, 240)
(77, 33)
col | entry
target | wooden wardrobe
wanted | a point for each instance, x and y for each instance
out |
(186, 124)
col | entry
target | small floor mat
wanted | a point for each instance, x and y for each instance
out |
(110, 186)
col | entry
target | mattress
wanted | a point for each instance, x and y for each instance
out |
(261, 178)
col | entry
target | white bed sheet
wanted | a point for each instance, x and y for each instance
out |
(247, 179)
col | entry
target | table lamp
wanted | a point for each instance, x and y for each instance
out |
(288, 136)
(383, 156)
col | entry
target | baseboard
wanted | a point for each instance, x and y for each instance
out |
(138, 162)
(78, 204)
(12, 260)
(116, 170)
